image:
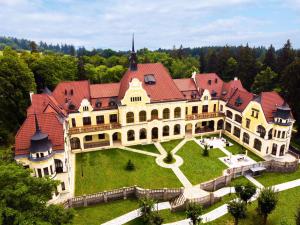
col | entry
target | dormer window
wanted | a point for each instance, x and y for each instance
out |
(205, 97)
(112, 103)
(193, 95)
(216, 80)
(209, 82)
(98, 104)
(214, 93)
(71, 92)
(66, 92)
(238, 101)
(149, 79)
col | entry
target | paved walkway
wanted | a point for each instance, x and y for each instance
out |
(135, 214)
(178, 147)
(224, 191)
(139, 151)
(287, 185)
(254, 181)
(182, 178)
(160, 148)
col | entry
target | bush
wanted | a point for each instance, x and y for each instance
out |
(205, 151)
(130, 166)
(169, 158)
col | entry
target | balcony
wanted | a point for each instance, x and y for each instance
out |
(287, 124)
(94, 128)
(96, 144)
(204, 116)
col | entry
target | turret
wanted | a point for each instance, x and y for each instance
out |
(283, 115)
(133, 58)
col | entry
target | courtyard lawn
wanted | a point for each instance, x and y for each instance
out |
(239, 180)
(98, 214)
(270, 178)
(147, 148)
(284, 212)
(198, 168)
(170, 145)
(105, 170)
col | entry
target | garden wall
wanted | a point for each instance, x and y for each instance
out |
(165, 194)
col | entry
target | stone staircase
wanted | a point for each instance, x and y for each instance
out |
(178, 203)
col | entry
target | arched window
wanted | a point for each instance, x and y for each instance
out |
(177, 112)
(130, 135)
(166, 131)
(274, 149)
(75, 143)
(229, 114)
(220, 125)
(142, 116)
(58, 166)
(166, 114)
(154, 114)
(238, 118)
(281, 153)
(176, 129)
(130, 117)
(257, 144)
(261, 130)
(270, 134)
(228, 127)
(246, 138)
(154, 133)
(143, 133)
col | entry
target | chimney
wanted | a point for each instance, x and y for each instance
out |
(30, 94)
(236, 78)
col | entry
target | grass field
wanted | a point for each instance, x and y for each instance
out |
(97, 214)
(239, 180)
(147, 148)
(105, 170)
(198, 168)
(268, 178)
(284, 212)
(169, 145)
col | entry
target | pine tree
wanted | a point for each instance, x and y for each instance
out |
(270, 59)
(286, 56)
(264, 81)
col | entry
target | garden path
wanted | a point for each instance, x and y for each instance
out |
(254, 181)
(176, 149)
(139, 151)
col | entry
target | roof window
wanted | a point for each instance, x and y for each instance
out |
(149, 79)
(209, 82)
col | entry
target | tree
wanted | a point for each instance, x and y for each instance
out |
(24, 198)
(205, 151)
(147, 208)
(286, 56)
(291, 81)
(270, 59)
(247, 192)
(297, 216)
(212, 62)
(193, 212)
(169, 158)
(34, 47)
(264, 81)
(237, 209)
(130, 166)
(267, 202)
(230, 70)
(16, 81)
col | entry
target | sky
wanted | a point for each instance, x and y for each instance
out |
(155, 23)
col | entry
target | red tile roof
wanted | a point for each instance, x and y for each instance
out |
(269, 102)
(163, 90)
(244, 97)
(209, 81)
(49, 124)
(230, 87)
(187, 87)
(63, 92)
(104, 90)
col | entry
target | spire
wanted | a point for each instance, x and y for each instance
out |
(37, 127)
(133, 58)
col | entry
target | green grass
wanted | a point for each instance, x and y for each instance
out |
(198, 168)
(105, 170)
(170, 145)
(236, 148)
(239, 180)
(147, 148)
(270, 178)
(98, 214)
(285, 211)
(166, 214)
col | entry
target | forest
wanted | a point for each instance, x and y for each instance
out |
(28, 66)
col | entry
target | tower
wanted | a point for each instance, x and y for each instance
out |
(133, 58)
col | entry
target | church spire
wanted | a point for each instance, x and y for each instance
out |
(133, 57)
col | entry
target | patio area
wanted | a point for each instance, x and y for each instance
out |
(237, 160)
(214, 142)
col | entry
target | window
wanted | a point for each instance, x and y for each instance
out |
(221, 108)
(166, 131)
(142, 116)
(39, 172)
(205, 97)
(220, 125)
(98, 103)
(215, 107)
(237, 132)
(166, 114)
(130, 135)
(274, 149)
(254, 113)
(229, 114)
(149, 79)
(88, 138)
(283, 134)
(238, 118)
(143, 134)
(195, 110)
(136, 99)
(186, 110)
(63, 187)
(51, 170)
(101, 136)
(113, 118)
(228, 127)
(73, 122)
(176, 129)
(278, 134)
(86, 120)
(248, 123)
(209, 82)
(246, 138)
(281, 153)
(205, 108)
(46, 171)
(130, 117)
(261, 130)
(257, 144)
(177, 112)
(154, 114)
(42, 155)
(100, 119)
(85, 108)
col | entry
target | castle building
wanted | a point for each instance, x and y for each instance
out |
(147, 105)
